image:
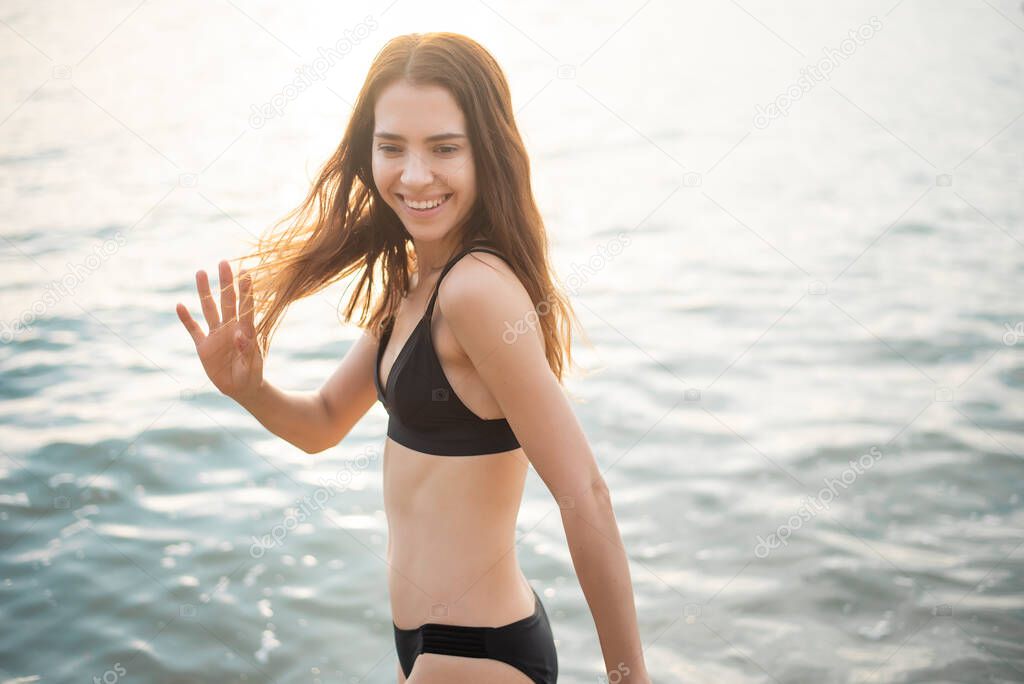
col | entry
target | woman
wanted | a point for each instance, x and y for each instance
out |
(464, 348)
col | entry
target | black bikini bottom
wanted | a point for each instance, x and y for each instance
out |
(526, 644)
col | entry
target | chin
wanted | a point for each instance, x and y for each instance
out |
(429, 234)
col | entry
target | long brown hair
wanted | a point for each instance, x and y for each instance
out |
(344, 227)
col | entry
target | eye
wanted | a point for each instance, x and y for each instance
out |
(447, 149)
(387, 148)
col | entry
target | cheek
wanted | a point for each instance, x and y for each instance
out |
(469, 176)
(382, 174)
(463, 177)
(469, 185)
(375, 172)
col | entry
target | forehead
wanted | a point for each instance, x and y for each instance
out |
(417, 111)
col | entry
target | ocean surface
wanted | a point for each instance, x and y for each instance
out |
(792, 232)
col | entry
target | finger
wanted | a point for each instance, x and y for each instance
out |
(245, 315)
(227, 292)
(190, 324)
(206, 299)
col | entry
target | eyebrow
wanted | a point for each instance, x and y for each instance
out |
(430, 138)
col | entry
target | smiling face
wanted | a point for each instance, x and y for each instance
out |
(421, 158)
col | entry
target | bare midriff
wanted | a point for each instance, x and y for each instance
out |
(451, 537)
(452, 519)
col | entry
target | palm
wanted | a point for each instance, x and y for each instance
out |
(224, 364)
(231, 360)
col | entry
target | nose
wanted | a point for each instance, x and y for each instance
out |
(417, 171)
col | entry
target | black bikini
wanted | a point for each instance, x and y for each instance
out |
(526, 644)
(426, 415)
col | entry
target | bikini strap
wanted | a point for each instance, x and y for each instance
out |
(448, 267)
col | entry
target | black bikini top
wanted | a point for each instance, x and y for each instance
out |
(424, 413)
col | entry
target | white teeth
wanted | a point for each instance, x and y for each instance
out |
(426, 205)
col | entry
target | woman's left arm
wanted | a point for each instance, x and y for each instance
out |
(495, 322)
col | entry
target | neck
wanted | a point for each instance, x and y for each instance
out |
(432, 256)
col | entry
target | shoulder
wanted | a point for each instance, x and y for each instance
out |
(483, 300)
(481, 279)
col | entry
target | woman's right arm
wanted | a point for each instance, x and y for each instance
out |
(315, 421)
(312, 421)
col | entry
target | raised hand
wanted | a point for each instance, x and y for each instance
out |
(229, 353)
